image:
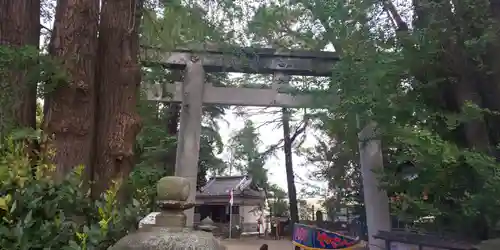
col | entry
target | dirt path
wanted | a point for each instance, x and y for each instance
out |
(254, 244)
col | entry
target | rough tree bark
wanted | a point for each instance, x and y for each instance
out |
(19, 27)
(119, 77)
(69, 116)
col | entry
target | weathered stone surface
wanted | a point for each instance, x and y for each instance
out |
(207, 221)
(171, 219)
(232, 96)
(173, 188)
(247, 60)
(207, 225)
(169, 239)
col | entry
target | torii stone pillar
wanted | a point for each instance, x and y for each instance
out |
(376, 201)
(188, 147)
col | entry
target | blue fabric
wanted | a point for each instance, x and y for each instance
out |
(313, 238)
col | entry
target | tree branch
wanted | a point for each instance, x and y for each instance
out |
(272, 148)
(394, 15)
(298, 131)
(301, 129)
(45, 28)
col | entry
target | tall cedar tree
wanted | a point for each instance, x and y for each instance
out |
(119, 77)
(70, 107)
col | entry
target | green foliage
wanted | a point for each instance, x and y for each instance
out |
(33, 68)
(306, 211)
(413, 83)
(154, 140)
(210, 145)
(39, 213)
(177, 26)
(246, 155)
(278, 201)
(142, 184)
(459, 183)
(39, 68)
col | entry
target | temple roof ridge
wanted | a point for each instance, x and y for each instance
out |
(222, 185)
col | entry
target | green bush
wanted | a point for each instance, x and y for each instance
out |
(38, 213)
(146, 178)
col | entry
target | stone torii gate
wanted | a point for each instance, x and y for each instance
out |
(193, 93)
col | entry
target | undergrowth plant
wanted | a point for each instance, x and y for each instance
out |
(38, 213)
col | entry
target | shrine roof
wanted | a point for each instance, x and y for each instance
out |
(221, 185)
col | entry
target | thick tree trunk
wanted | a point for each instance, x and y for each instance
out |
(19, 27)
(70, 112)
(119, 78)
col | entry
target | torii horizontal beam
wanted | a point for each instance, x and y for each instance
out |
(231, 96)
(246, 60)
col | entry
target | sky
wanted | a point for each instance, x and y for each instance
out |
(270, 135)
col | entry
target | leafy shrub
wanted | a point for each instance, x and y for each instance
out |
(38, 213)
(146, 177)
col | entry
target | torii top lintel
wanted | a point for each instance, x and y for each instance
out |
(247, 60)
